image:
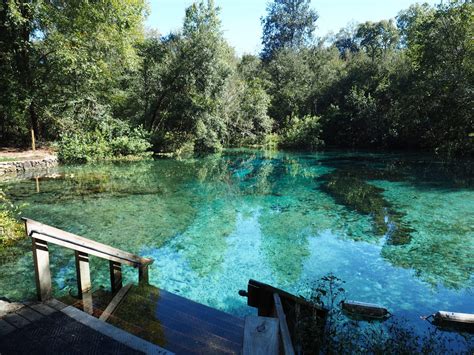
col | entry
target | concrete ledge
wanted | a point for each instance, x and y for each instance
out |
(18, 167)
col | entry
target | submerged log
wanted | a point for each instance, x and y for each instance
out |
(452, 321)
(455, 321)
(363, 309)
(454, 317)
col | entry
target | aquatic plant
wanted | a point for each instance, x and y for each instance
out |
(348, 188)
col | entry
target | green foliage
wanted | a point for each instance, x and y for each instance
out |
(183, 79)
(55, 53)
(346, 41)
(302, 133)
(78, 71)
(288, 24)
(92, 134)
(110, 143)
(441, 50)
(377, 38)
(82, 148)
(11, 230)
(247, 109)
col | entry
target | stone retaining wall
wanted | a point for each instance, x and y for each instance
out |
(19, 167)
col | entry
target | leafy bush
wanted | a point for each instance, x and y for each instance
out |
(83, 147)
(135, 143)
(111, 139)
(302, 132)
(10, 229)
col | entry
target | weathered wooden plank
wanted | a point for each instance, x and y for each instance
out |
(81, 244)
(115, 276)
(200, 311)
(115, 302)
(364, 309)
(83, 249)
(42, 270)
(260, 336)
(284, 331)
(149, 303)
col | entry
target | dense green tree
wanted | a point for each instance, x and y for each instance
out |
(85, 74)
(291, 80)
(288, 24)
(60, 54)
(377, 38)
(441, 50)
(188, 71)
(346, 41)
(17, 109)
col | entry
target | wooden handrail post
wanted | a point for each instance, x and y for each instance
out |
(42, 270)
(84, 285)
(115, 276)
(143, 274)
(284, 332)
(83, 273)
(42, 234)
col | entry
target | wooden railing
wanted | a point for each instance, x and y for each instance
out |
(287, 308)
(42, 234)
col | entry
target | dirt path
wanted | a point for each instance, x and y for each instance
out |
(13, 154)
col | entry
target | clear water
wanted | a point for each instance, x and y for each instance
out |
(212, 223)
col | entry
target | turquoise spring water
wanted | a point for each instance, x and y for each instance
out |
(212, 223)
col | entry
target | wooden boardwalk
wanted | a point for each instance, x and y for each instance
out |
(135, 318)
(178, 324)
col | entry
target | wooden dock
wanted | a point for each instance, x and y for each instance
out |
(136, 318)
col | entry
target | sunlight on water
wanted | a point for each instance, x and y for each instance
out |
(399, 231)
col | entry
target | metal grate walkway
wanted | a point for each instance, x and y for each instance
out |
(54, 328)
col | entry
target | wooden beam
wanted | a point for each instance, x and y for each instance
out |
(284, 331)
(115, 276)
(260, 336)
(57, 236)
(143, 274)
(260, 296)
(42, 270)
(33, 142)
(115, 302)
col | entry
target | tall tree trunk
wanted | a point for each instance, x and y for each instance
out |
(25, 72)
